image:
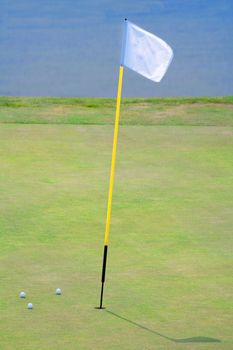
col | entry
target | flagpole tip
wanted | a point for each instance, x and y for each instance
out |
(126, 19)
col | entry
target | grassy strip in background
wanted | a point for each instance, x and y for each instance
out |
(202, 111)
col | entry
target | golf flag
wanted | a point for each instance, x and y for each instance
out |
(145, 53)
(149, 56)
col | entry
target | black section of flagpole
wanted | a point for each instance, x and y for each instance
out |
(103, 275)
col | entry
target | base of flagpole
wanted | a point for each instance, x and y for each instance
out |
(100, 308)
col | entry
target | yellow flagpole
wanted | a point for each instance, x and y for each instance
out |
(114, 148)
(111, 182)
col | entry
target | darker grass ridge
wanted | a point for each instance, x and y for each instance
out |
(168, 111)
(96, 102)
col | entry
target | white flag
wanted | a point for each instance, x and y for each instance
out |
(145, 53)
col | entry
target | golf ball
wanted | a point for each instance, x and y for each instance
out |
(22, 295)
(30, 306)
(58, 291)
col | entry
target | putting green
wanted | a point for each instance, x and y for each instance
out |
(169, 282)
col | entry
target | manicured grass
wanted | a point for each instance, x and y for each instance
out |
(169, 283)
(215, 111)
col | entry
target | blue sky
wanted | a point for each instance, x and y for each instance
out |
(72, 47)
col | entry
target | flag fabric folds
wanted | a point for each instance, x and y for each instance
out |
(145, 53)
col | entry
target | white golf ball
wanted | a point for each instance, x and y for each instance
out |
(22, 295)
(30, 306)
(58, 291)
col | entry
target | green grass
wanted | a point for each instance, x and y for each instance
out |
(215, 111)
(169, 276)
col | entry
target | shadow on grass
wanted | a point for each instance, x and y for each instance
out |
(185, 340)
